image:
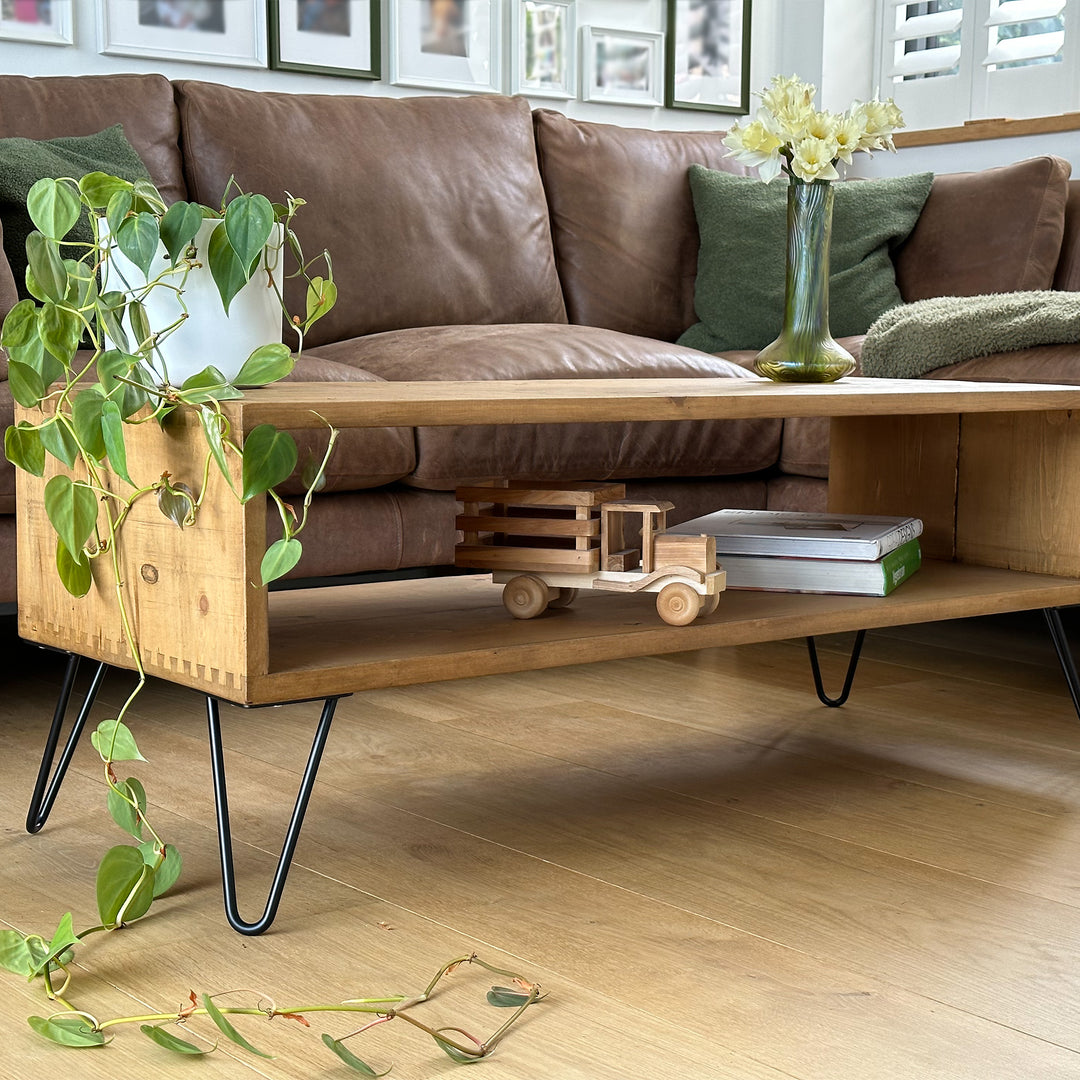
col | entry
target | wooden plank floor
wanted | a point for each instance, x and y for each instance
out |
(714, 876)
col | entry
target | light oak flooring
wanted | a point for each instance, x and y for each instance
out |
(715, 877)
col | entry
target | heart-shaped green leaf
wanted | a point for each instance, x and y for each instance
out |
(114, 742)
(53, 207)
(227, 1029)
(269, 457)
(267, 364)
(119, 207)
(173, 1042)
(127, 803)
(147, 194)
(139, 322)
(112, 431)
(124, 882)
(20, 325)
(67, 1030)
(177, 503)
(454, 1053)
(44, 263)
(110, 308)
(99, 189)
(168, 872)
(25, 384)
(72, 508)
(249, 221)
(15, 954)
(86, 409)
(211, 424)
(60, 329)
(321, 297)
(22, 447)
(350, 1059)
(138, 239)
(503, 997)
(82, 285)
(281, 556)
(179, 226)
(74, 573)
(229, 273)
(208, 385)
(58, 440)
(63, 940)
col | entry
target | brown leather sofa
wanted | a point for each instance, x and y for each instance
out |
(474, 239)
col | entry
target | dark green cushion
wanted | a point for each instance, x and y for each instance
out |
(25, 161)
(739, 292)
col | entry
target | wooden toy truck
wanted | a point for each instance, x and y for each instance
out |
(544, 542)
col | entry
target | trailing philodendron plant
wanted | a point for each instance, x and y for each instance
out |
(85, 353)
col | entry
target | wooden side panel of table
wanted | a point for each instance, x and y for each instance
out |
(202, 621)
(993, 489)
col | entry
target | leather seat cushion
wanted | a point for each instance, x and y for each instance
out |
(362, 457)
(454, 455)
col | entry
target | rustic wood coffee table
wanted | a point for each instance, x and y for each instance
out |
(992, 469)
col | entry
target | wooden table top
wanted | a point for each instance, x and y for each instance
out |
(379, 404)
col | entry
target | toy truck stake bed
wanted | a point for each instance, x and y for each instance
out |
(543, 543)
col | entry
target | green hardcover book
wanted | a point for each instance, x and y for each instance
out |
(863, 577)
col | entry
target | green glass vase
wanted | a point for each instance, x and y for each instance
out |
(805, 350)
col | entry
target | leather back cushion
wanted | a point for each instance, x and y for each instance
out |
(50, 107)
(1068, 271)
(432, 208)
(998, 230)
(623, 220)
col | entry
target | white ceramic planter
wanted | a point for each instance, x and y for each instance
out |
(208, 336)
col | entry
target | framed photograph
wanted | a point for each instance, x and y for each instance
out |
(325, 37)
(621, 67)
(543, 53)
(43, 22)
(447, 44)
(708, 55)
(231, 32)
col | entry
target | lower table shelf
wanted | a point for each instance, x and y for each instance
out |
(360, 637)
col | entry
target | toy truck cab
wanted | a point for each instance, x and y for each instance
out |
(543, 560)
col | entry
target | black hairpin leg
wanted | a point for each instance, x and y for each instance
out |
(1064, 654)
(228, 873)
(46, 790)
(853, 663)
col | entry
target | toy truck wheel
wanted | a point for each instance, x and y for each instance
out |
(709, 604)
(678, 604)
(525, 597)
(563, 598)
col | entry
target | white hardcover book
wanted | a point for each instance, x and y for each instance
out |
(865, 577)
(803, 535)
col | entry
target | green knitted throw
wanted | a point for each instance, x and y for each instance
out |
(911, 340)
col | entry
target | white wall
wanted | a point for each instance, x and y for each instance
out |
(650, 15)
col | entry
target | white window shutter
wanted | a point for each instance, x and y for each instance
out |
(947, 61)
(1029, 58)
(925, 60)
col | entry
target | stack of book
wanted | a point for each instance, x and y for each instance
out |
(806, 552)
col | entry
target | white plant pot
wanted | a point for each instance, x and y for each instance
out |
(208, 335)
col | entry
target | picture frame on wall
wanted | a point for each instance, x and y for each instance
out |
(229, 32)
(543, 43)
(40, 22)
(326, 37)
(708, 55)
(621, 67)
(447, 44)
